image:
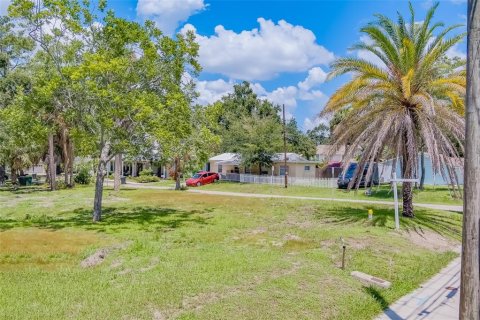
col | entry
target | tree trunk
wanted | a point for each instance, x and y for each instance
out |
(71, 162)
(177, 174)
(13, 175)
(407, 200)
(470, 274)
(422, 168)
(2, 174)
(51, 163)
(407, 190)
(118, 172)
(97, 202)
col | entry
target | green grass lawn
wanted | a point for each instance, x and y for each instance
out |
(437, 195)
(193, 256)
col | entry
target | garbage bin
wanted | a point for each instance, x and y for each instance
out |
(25, 180)
(123, 180)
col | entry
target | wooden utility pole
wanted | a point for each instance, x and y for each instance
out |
(470, 276)
(285, 147)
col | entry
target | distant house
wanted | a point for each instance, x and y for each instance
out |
(324, 149)
(297, 166)
(386, 170)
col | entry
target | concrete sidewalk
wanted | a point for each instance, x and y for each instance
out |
(437, 299)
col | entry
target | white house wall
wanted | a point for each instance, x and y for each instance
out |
(385, 172)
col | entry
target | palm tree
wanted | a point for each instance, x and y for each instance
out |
(403, 104)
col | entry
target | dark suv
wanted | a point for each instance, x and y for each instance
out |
(344, 180)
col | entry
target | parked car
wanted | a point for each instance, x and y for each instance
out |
(344, 179)
(202, 177)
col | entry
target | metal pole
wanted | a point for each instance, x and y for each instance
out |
(395, 197)
(285, 146)
(343, 257)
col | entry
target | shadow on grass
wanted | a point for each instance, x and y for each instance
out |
(377, 296)
(24, 190)
(443, 224)
(115, 219)
(385, 192)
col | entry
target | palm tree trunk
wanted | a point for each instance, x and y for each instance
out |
(407, 200)
(407, 190)
(422, 168)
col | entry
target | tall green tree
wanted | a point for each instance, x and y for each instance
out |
(403, 104)
(252, 127)
(298, 141)
(22, 137)
(320, 134)
(56, 27)
(15, 50)
(257, 140)
(19, 133)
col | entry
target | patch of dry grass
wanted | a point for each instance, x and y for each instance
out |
(32, 247)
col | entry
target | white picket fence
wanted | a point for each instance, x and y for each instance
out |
(280, 180)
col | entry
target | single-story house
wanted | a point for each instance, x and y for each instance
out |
(324, 149)
(297, 166)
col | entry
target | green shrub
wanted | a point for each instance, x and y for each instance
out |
(146, 172)
(61, 185)
(83, 176)
(145, 179)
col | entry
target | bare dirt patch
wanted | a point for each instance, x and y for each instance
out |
(99, 256)
(431, 240)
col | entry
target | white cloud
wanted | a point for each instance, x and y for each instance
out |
(260, 54)
(4, 6)
(211, 91)
(315, 76)
(290, 96)
(284, 95)
(258, 89)
(455, 51)
(168, 14)
(309, 124)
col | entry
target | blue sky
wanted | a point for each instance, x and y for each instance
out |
(282, 47)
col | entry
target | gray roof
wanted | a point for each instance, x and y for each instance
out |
(236, 159)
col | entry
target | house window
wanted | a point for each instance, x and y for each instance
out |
(248, 170)
(219, 168)
(282, 170)
(307, 168)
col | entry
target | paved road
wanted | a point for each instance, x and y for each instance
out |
(437, 299)
(259, 195)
